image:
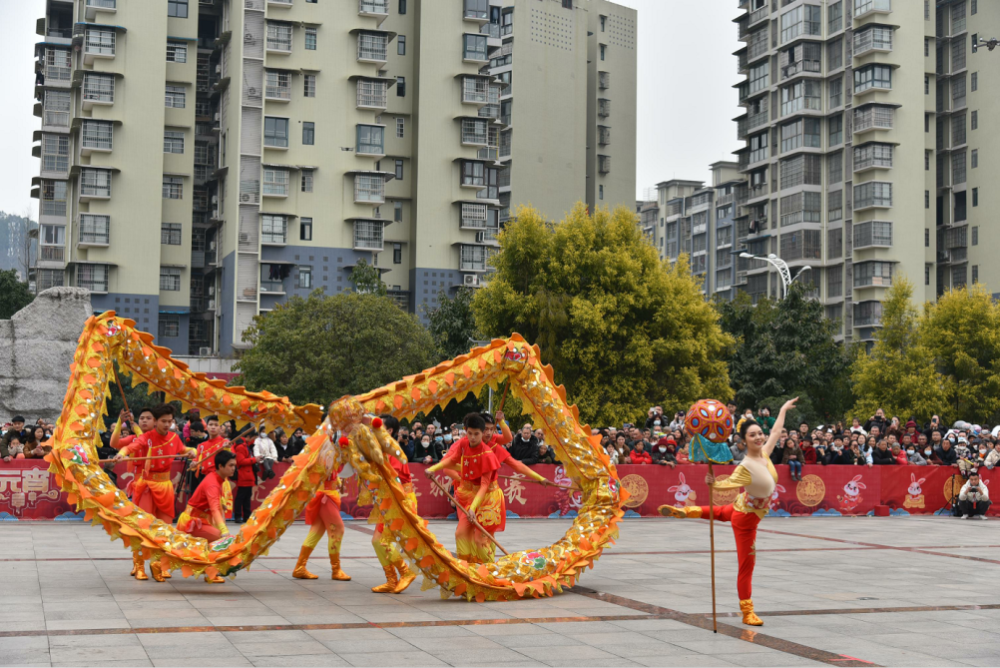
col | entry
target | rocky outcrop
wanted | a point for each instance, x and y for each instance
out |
(36, 350)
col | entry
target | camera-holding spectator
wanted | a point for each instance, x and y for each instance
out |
(524, 445)
(266, 454)
(877, 420)
(974, 499)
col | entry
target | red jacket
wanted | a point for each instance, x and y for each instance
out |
(640, 457)
(244, 466)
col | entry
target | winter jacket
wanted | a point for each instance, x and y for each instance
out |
(521, 449)
(263, 448)
(548, 458)
(244, 466)
(981, 493)
(947, 457)
(883, 457)
(642, 457)
(916, 459)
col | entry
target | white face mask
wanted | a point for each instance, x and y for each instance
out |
(927, 451)
(663, 448)
(910, 451)
(656, 423)
(447, 438)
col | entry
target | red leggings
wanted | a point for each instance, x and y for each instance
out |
(745, 532)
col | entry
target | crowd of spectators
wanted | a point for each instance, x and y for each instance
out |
(24, 441)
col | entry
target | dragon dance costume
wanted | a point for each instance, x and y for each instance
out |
(205, 514)
(323, 516)
(398, 576)
(758, 477)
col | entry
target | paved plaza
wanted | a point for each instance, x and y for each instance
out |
(918, 591)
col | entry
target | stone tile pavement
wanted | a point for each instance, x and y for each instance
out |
(919, 591)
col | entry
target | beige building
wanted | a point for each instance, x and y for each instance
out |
(861, 154)
(203, 164)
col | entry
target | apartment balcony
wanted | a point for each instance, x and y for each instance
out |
(98, 89)
(743, 27)
(474, 132)
(372, 95)
(603, 135)
(92, 7)
(372, 48)
(95, 184)
(278, 93)
(604, 80)
(761, 190)
(55, 254)
(474, 216)
(97, 44)
(475, 90)
(603, 107)
(604, 164)
(369, 235)
(369, 188)
(863, 8)
(872, 40)
(377, 8)
(757, 16)
(94, 231)
(873, 118)
(286, 4)
(476, 11)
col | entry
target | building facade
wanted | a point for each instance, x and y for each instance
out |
(202, 165)
(862, 149)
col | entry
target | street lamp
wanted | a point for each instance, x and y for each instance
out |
(783, 271)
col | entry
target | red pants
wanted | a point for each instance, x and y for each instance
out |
(745, 532)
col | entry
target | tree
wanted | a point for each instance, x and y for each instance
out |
(320, 348)
(786, 348)
(623, 330)
(367, 279)
(962, 333)
(452, 323)
(898, 373)
(14, 295)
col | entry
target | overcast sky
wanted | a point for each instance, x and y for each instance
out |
(685, 106)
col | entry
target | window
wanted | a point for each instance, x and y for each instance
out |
(835, 243)
(835, 168)
(305, 278)
(872, 155)
(758, 147)
(974, 6)
(371, 140)
(53, 198)
(927, 84)
(369, 188)
(803, 132)
(56, 112)
(307, 180)
(975, 273)
(872, 38)
(975, 120)
(872, 273)
(835, 281)
(975, 158)
(604, 23)
(801, 95)
(306, 229)
(309, 85)
(311, 39)
(397, 211)
(275, 182)
(400, 86)
(975, 197)
(872, 76)
(801, 208)
(176, 98)
(804, 244)
(276, 132)
(473, 174)
(927, 199)
(55, 153)
(474, 47)
(803, 20)
(399, 170)
(600, 190)
(400, 127)
(473, 258)
(865, 6)
(178, 8)
(173, 187)
(272, 229)
(975, 235)
(835, 205)
(836, 124)
(401, 45)
(173, 141)
(835, 19)
(927, 47)
(759, 77)
(802, 169)
(975, 81)
(835, 55)
(279, 36)
(170, 234)
(58, 64)
(872, 194)
(397, 253)
(872, 233)
(836, 92)
(169, 326)
(177, 52)
(604, 51)
(98, 88)
(95, 229)
(170, 279)
(402, 6)
(308, 133)
(873, 116)
(927, 161)
(277, 85)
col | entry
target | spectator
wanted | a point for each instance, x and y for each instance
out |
(544, 455)
(877, 420)
(913, 456)
(612, 453)
(993, 458)
(245, 479)
(856, 427)
(194, 415)
(682, 455)
(882, 455)
(196, 434)
(654, 418)
(283, 445)
(640, 455)
(678, 422)
(524, 445)
(946, 454)
(934, 425)
(963, 455)
(266, 454)
(621, 446)
(866, 449)
(297, 442)
(739, 450)
(15, 448)
(765, 420)
(35, 443)
(974, 499)
(747, 415)
(539, 436)
(778, 454)
(17, 431)
(426, 451)
(793, 456)
(664, 453)
(809, 453)
(899, 454)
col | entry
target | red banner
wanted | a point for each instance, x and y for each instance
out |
(29, 492)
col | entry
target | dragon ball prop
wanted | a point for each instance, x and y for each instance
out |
(709, 419)
(343, 438)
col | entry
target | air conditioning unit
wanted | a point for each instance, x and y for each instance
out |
(244, 237)
(218, 68)
(217, 117)
(211, 304)
(215, 199)
(204, 351)
(211, 292)
(246, 197)
(470, 280)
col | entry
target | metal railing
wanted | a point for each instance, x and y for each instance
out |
(372, 47)
(373, 6)
(369, 235)
(475, 90)
(52, 253)
(58, 65)
(95, 183)
(100, 43)
(98, 88)
(95, 230)
(369, 188)
(372, 94)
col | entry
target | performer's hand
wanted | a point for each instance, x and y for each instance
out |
(789, 405)
(499, 416)
(471, 515)
(119, 457)
(709, 479)
(429, 474)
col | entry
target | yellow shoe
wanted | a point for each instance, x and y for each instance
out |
(337, 574)
(139, 568)
(218, 579)
(157, 571)
(406, 577)
(135, 566)
(390, 582)
(300, 571)
(693, 512)
(749, 617)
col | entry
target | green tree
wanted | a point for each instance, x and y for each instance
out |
(452, 323)
(962, 332)
(786, 348)
(898, 373)
(623, 330)
(320, 348)
(14, 295)
(367, 279)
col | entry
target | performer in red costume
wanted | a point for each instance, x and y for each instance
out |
(478, 492)
(207, 449)
(153, 491)
(323, 516)
(756, 475)
(205, 514)
(145, 424)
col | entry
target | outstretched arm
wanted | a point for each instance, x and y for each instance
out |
(521, 468)
(779, 424)
(448, 462)
(505, 435)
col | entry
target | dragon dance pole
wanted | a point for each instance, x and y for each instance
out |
(711, 540)
(471, 516)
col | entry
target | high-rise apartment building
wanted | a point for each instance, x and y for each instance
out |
(862, 148)
(699, 220)
(202, 164)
